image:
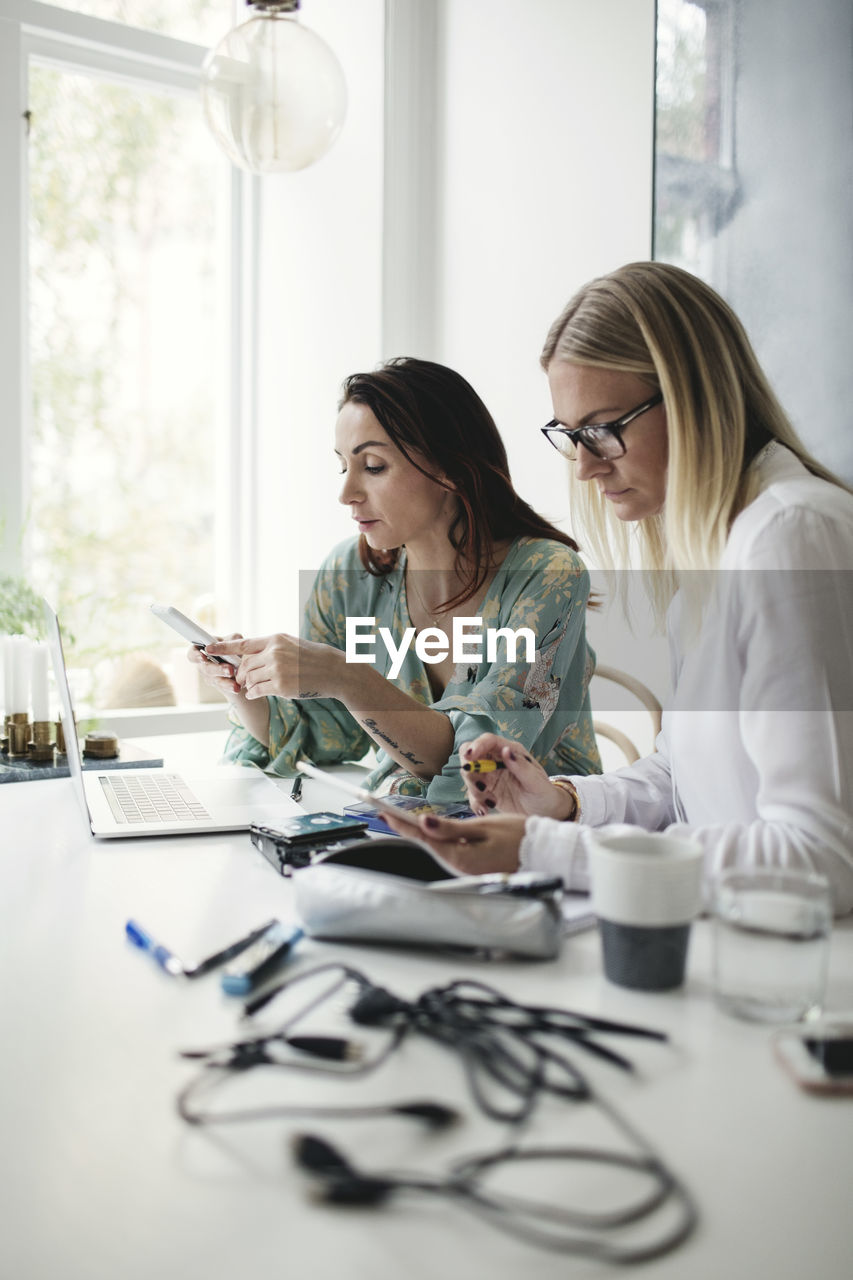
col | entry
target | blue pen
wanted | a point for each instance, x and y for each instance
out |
(169, 962)
(162, 955)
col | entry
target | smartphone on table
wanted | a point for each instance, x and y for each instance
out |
(190, 631)
(819, 1057)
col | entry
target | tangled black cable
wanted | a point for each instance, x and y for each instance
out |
(341, 1056)
(512, 1056)
(500, 1041)
(547, 1226)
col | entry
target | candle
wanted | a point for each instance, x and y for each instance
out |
(19, 694)
(7, 675)
(40, 700)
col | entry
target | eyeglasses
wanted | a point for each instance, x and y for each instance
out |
(602, 439)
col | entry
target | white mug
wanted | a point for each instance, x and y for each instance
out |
(646, 890)
(645, 877)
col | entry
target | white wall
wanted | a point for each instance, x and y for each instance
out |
(532, 144)
(546, 143)
(321, 289)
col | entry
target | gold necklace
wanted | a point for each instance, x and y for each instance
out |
(410, 582)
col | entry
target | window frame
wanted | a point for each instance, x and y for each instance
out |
(32, 30)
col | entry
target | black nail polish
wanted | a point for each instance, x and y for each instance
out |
(481, 786)
(490, 804)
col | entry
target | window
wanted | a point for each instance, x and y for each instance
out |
(696, 182)
(134, 234)
(205, 21)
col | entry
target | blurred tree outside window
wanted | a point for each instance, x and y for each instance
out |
(696, 184)
(129, 273)
(202, 21)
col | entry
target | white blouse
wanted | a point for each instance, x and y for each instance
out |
(755, 756)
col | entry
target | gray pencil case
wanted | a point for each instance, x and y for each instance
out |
(383, 891)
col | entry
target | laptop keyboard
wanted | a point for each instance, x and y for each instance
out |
(152, 798)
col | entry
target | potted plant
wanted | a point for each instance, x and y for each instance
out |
(20, 609)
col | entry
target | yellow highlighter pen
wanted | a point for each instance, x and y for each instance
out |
(483, 766)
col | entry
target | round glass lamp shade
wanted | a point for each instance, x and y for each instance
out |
(274, 94)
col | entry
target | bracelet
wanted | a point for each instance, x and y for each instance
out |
(564, 785)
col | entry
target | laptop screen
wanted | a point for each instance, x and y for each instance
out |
(66, 710)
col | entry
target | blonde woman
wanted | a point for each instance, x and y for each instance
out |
(681, 457)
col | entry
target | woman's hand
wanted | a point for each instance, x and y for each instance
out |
(522, 786)
(473, 846)
(215, 674)
(284, 666)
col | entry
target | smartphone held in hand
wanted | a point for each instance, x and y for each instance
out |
(189, 630)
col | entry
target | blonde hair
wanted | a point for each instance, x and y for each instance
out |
(673, 331)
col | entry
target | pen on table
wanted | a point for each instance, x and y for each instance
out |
(500, 882)
(161, 955)
(230, 952)
(483, 766)
(296, 789)
(253, 1006)
(457, 884)
(169, 962)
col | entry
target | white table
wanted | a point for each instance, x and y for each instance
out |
(100, 1179)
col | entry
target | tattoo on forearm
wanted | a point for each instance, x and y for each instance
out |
(373, 727)
(309, 693)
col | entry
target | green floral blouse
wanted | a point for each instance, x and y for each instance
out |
(543, 705)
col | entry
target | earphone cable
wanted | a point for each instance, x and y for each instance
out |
(509, 1061)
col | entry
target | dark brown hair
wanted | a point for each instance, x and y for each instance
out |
(440, 424)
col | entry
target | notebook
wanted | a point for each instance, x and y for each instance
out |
(151, 802)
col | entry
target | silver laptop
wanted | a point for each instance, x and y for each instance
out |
(150, 802)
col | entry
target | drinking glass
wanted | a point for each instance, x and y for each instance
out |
(771, 943)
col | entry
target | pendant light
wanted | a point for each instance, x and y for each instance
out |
(274, 93)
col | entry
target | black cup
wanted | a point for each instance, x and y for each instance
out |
(644, 957)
